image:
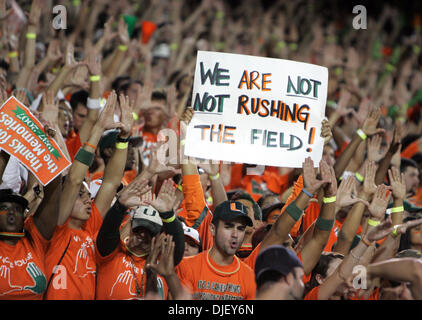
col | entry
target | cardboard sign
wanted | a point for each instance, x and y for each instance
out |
(23, 136)
(256, 110)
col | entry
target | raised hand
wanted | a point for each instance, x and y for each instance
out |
(344, 193)
(374, 147)
(187, 115)
(123, 33)
(326, 132)
(165, 265)
(344, 99)
(402, 228)
(106, 118)
(370, 124)
(156, 163)
(143, 96)
(130, 196)
(311, 183)
(53, 51)
(328, 174)
(3, 12)
(126, 116)
(397, 182)
(35, 13)
(379, 202)
(50, 110)
(369, 186)
(166, 197)
(70, 61)
(380, 231)
(211, 168)
(93, 62)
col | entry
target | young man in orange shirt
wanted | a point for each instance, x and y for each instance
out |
(216, 273)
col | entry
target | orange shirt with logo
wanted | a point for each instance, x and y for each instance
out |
(22, 270)
(117, 273)
(74, 279)
(208, 281)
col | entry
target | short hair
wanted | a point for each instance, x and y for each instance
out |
(4, 65)
(405, 162)
(408, 140)
(321, 268)
(79, 97)
(267, 194)
(159, 95)
(115, 85)
(269, 277)
(246, 196)
(417, 157)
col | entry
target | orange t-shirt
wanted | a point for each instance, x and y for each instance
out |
(78, 263)
(208, 281)
(410, 150)
(313, 294)
(73, 144)
(116, 274)
(22, 270)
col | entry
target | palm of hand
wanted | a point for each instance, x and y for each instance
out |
(377, 208)
(163, 203)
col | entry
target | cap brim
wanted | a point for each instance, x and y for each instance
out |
(15, 198)
(267, 210)
(151, 226)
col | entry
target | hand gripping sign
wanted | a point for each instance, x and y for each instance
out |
(23, 136)
(256, 110)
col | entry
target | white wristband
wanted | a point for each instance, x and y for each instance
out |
(93, 103)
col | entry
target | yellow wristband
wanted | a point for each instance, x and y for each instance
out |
(397, 209)
(183, 142)
(31, 36)
(179, 186)
(95, 78)
(361, 134)
(122, 145)
(169, 219)
(13, 54)
(373, 223)
(394, 232)
(215, 177)
(135, 116)
(359, 177)
(329, 200)
(122, 47)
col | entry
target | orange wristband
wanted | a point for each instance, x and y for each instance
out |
(90, 145)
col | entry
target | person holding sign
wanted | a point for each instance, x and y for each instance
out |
(24, 242)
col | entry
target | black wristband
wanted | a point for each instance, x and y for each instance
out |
(120, 139)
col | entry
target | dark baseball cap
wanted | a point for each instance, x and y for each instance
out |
(276, 258)
(230, 210)
(7, 195)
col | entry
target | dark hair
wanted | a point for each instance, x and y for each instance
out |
(159, 95)
(267, 194)
(405, 238)
(408, 140)
(4, 65)
(405, 162)
(268, 277)
(115, 85)
(79, 97)
(246, 196)
(321, 268)
(417, 157)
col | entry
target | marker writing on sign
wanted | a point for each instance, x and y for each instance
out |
(311, 138)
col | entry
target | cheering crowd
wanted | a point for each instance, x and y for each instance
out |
(127, 220)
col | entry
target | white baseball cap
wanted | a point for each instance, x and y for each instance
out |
(148, 217)
(191, 233)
